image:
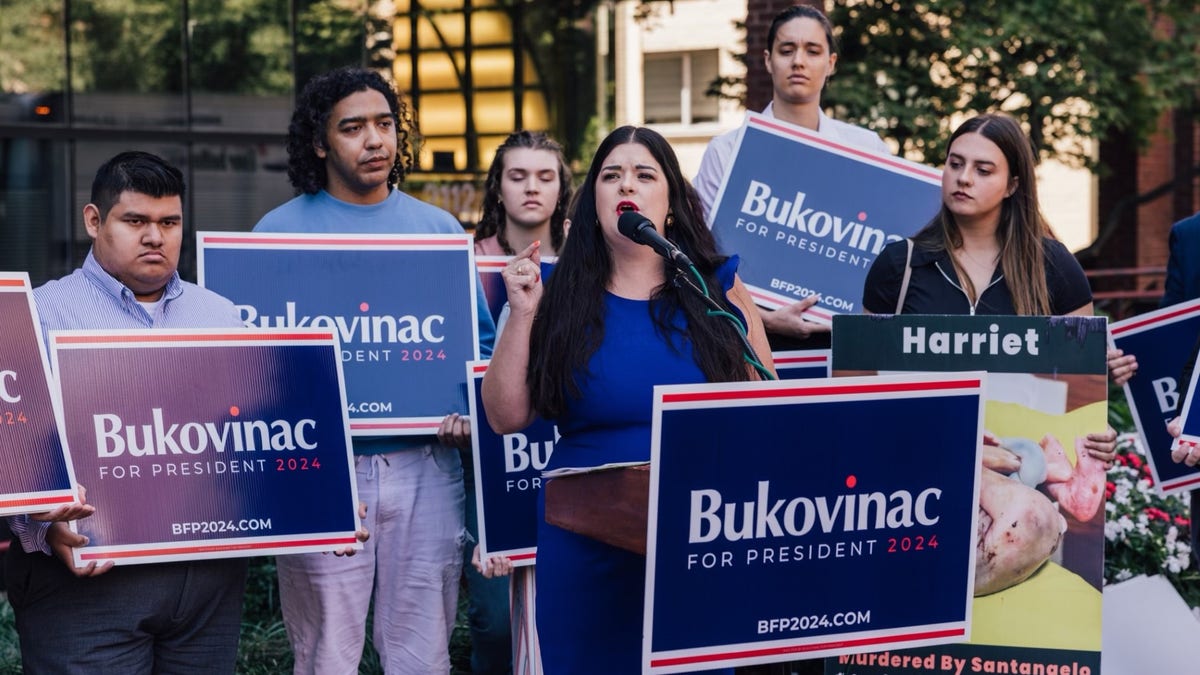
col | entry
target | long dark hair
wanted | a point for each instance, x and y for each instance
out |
(1022, 229)
(569, 324)
(494, 218)
(306, 170)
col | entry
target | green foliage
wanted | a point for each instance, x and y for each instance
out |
(32, 29)
(133, 46)
(10, 648)
(1071, 70)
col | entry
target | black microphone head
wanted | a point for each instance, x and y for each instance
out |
(630, 225)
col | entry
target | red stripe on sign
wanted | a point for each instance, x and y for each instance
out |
(240, 337)
(335, 242)
(396, 425)
(523, 556)
(479, 369)
(37, 501)
(801, 359)
(13, 282)
(848, 150)
(1145, 322)
(250, 546)
(827, 390)
(799, 649)
(1171, 485)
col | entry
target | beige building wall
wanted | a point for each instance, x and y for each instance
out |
(692, 25)
(1068, 198)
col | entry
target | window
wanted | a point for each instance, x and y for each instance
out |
(675, 84)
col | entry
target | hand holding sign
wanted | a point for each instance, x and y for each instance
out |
(63, 542)
(455, 431)
(67, 511)
(1121, 366)
(1185, 453)
(789, 320)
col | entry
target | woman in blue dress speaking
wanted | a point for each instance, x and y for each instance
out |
(587, 349)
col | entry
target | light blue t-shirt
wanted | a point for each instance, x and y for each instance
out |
(399, 213)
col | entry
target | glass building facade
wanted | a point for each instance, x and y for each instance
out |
(209, 85)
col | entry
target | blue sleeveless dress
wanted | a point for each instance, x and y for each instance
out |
(590, 594)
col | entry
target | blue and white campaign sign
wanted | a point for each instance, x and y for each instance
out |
(37, 474)
(207, 443)
(808, 215)
(1162, 341)
(771, 539)
(403, 307)
(490, 267)
(802, 364)
(508, 479)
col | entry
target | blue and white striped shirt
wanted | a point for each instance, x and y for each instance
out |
(91, 298)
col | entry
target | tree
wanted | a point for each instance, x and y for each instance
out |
(1070, 70)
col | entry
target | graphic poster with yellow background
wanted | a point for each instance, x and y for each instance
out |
(1040, 547)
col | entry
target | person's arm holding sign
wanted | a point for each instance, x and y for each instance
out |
(789, 320)
(49, 533)
(1184, 454)
(505, 392)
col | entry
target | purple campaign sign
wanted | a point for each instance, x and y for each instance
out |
(802, 364)
(508, 478)
(774, 536)
(207, 444)
(403, 307)
(1162, 340)
(808, 215)
(37, 474)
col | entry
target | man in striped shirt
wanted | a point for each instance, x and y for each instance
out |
(181, 617)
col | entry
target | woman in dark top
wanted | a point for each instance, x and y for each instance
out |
(988, 250)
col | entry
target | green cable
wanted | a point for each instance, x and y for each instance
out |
(738, 323)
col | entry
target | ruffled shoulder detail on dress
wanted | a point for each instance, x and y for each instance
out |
(726, 271)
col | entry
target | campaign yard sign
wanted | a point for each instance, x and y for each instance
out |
(37, 474)
(778, 531)
(1162, 341)
(508, 478)
(207, 443)
(801, 364)
(494, 290)
(403, 307)
(1040, 559)
(808, 215)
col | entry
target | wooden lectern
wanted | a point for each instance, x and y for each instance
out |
(609, 505)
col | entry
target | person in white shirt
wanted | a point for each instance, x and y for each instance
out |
(800, 56)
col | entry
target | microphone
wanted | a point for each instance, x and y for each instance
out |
(639, 228)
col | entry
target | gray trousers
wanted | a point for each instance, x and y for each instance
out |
(180, 617)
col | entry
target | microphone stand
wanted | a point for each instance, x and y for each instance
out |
(683, 280)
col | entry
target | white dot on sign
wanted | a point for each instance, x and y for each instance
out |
(234, 410)
(862, 215)
(363, 307)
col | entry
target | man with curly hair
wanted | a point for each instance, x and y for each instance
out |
(349, 145)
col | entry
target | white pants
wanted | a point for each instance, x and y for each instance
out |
(412, 562)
